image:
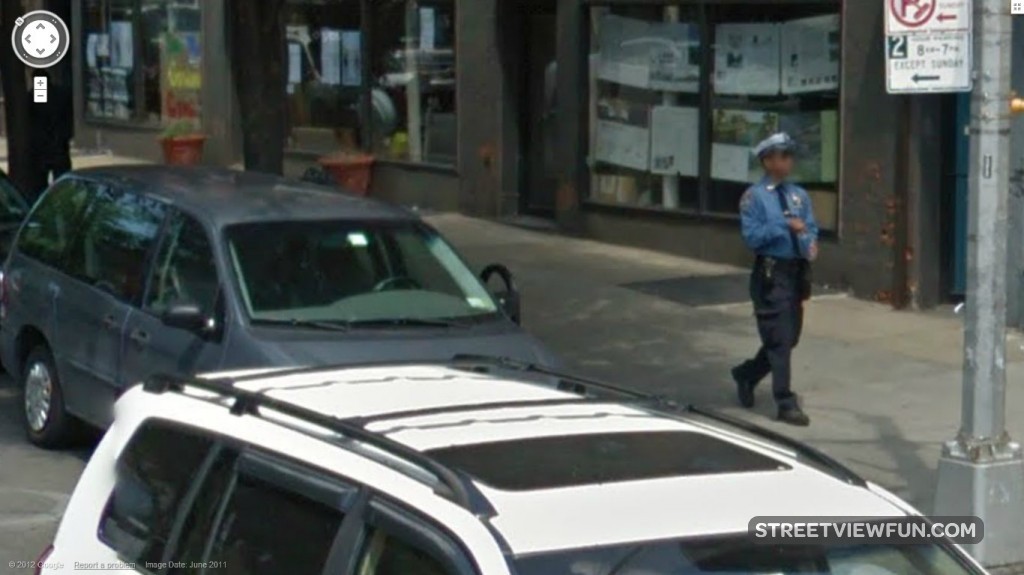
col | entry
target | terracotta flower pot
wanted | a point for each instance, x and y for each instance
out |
(351, 171)
(183, 150)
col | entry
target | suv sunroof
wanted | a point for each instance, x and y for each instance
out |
(565, 461)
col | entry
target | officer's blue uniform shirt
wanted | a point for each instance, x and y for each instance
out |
(766, 228)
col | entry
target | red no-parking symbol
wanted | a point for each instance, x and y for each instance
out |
(912, 13)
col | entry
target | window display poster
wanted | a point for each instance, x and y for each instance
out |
(351, 58)
(747, 59)
(810, 54)
(675, 140)
(90, 50)
(330, 56)
(428, 28)
(623, 136)
(193, 48)
(730, 163)
(294, 63)
(121, 45)
(817, 143)
(734, 134)
(649, 55)
(181, 77)
(103, 45)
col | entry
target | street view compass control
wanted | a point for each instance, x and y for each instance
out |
(40, 39)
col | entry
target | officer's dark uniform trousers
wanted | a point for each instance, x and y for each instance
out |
(776, 288)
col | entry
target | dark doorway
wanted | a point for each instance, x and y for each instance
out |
(538, 109)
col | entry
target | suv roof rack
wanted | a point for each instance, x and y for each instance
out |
(452, 484)
(664, 406)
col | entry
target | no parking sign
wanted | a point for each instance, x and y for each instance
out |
(928, 46)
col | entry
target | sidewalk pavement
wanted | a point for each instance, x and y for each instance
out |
(882, 387)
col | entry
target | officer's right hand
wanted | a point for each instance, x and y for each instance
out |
(797, 225)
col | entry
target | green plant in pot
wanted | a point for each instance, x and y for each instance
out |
(182, 143)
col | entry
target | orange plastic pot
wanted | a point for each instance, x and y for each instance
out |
(183, 150)
(351, 171)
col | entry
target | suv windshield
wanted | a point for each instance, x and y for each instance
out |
(352, 272)
(738, 555)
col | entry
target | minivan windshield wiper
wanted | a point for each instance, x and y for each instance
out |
(405, 322)
(294, 322)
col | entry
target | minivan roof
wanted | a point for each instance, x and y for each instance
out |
(225, 196)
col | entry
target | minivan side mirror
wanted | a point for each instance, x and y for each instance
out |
(186, 316)
(508, 298)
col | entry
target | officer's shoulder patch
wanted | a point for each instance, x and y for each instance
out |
(747, 199)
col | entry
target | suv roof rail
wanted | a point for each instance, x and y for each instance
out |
(809, 453)
(452, 484)
(665, 406)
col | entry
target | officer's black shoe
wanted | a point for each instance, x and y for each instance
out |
(744, 389)
(793, 415)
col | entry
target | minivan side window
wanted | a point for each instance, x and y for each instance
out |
(54, 222)
(154, 475)
(120, 228)
(184, 271)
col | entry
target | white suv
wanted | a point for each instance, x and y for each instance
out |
(473, 467)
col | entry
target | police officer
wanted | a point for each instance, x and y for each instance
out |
(778, 226)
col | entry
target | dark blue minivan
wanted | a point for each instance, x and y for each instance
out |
(121, 273)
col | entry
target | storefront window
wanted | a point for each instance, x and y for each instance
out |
(414, 80)
(400, 104)
(766, 67)
(142, 60)
(645, 71)
(325, 74)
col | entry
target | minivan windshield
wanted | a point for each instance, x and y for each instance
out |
(12, 207)
(353, 272)
(740, 555)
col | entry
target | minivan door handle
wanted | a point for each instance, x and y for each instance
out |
(110, 322)
(139, 337)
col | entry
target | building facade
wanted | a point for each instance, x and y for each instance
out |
(628, 121)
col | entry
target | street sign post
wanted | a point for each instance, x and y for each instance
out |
(981, 471)
(928, 46)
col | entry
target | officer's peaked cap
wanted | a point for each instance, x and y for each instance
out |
(780, 142)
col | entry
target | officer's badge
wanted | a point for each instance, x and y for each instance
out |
(797, 202)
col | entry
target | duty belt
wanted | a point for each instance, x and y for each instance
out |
(784, 265)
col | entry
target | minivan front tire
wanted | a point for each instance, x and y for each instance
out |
(47, 423)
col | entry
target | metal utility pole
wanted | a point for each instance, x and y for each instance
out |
(981, 472)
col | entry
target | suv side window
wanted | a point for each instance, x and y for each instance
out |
(54, 222)
(266, 527)
(119, 231)
(154, 476)
(184, 271)
(397, 542)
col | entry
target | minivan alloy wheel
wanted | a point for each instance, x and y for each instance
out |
(38, 393)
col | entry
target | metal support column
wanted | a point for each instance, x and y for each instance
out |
(981, 472)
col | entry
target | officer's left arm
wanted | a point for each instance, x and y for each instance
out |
(809, 239)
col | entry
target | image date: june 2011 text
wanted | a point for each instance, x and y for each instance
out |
(187, 565)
